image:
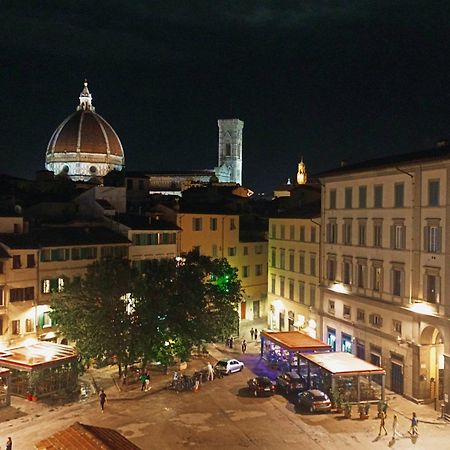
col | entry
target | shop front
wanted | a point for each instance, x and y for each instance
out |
(5, 392)
(281, 349)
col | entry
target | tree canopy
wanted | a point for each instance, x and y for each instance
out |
(158, 313)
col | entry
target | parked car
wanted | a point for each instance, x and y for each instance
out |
(228, 366)
(261, 386)
(290, 382)
(314, 401)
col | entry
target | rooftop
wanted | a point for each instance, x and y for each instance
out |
(295, 341)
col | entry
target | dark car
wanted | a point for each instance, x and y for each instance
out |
(261, 386)
(290, 382)
(314, 400)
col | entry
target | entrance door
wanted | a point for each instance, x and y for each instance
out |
(281, 321)
(376, 360)
(243, 310)
(360, 350)
(397, 377)
(256, 309)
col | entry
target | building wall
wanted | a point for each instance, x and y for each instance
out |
(293, 306)
(403, 318)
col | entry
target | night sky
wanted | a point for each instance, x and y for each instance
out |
(329, 80)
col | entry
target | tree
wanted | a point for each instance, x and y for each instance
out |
(95, 312)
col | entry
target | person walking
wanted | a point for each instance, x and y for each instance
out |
(395, 432)
(244, 346)
(414, 425)
(8, 444)
(252, 332)
(256, 334)
(231, 341)
(142, 379)
(382, 424)
(210, 372)
(147, 382)
(102, 398)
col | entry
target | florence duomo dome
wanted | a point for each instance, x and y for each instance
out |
(84, 146)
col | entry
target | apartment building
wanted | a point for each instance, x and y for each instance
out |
(216, 233)
(384, 259)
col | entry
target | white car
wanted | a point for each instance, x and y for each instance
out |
(228, 366)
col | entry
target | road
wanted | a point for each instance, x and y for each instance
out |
(222, 414)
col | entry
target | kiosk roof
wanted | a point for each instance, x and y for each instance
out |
(36, 356)
(295, 341)
(342, 363)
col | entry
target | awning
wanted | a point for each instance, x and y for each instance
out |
(295, 341)
(342, 363)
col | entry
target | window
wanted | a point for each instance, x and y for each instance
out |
(46, 320)
(1, 325)
(282, 258)
(29, 325)
(377, 273)
(332, 232)
(331, 269)
(347, 233)
(291, 289)
(258, 249)
(332, 198)
(231, 251)
(273, 283)
(360, 272)
(312, 295)
(360, 315)
(245, 250)
(433, 193)
(347, 312)
(362, 233)
(378, 196)
(213, 223)
(16, 264)
(301, 292)
(274, 257)
(258, 270)
(331, 307)
(348, 198)
(2, 267)
(312, 265)
(313, 234)
(432, 288)
(302, 233)
(346, 343)
(2, 301)
(399, 195)
(301, 261)
(227, 149)
(397, 326)
(274, 231)
(245, 271)
(362, 197)
(232, 224)
(347, 272)
(214, 251)
(292, 232)
(432, 237)
(398, 236)
(15, 327)
(31, 261)
(397, 282)
(291, 260)
(282, 286)
(21, 294)
(197, 224)
(377, 234)
(282, 232)
(376, 320)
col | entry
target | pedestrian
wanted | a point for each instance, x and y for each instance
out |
(244, 346)
(252, 332)
(8, 444)
(142, 379)
(395, 431)
(102, 398)
(414, 425)
(147, 382)
(210, 372)
(256, 334)
(382, 424)
(228, 342)
(231, 341)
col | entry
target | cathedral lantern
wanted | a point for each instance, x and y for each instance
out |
(301, 173)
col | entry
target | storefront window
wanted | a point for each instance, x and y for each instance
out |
(331, 338)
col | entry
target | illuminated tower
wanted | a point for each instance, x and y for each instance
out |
(301, 174)
(230, 148)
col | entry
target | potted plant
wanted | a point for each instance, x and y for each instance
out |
(363, 409)
(347, 410)
(337, 400)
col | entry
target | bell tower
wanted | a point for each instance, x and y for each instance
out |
(301, 174)
(230, 148)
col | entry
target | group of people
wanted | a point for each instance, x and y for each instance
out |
(413, 430)
(254, 334)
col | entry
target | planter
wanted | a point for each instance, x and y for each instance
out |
(34, 398)
(29, 397)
